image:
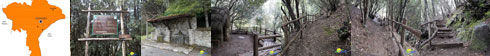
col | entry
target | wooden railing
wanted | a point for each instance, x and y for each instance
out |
(256, 31)
(256, 40)
(264, 31)
(431, 27)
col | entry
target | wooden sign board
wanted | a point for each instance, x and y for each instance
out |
(104, 25)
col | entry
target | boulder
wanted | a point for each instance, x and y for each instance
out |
(480, 38)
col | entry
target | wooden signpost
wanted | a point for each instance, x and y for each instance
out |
(105, 25)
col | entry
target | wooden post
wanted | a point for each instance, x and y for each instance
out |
(122, 32)
(206, 15)
(87, 31)
(274, 34)
(255, 45)
(428, 27)
(265, 30)
(255, 29)
(122, 29)
(403, 33)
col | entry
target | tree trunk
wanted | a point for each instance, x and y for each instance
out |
(287, 3)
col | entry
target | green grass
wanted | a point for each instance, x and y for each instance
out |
(145, 36)
(328, 30)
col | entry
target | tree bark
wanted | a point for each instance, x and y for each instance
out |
(287, 3)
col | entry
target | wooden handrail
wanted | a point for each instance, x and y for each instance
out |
(270, 36)
(256, 39)
(428, 40)
(412, 30)
(429, 22)
(284, 24)
(263, 29)
(294, 38)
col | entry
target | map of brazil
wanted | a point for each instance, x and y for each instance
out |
(42, 24)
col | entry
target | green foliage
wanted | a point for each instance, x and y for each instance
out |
(256, 2)
(482, 5)
(154, 7)
(466, 34)
(487, 13)
(473, 23)
(187, 7)
(151, 29)
(259, 20)
(146, 36)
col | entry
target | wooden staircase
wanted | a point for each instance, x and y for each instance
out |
(445, 37)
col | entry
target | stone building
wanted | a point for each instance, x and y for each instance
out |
(182, 29)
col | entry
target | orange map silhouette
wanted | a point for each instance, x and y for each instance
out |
(33, 19)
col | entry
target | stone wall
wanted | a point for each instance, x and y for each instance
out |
(182, 31)
(161, 33)
(179, 30)
(200, 37)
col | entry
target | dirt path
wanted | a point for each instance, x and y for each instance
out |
(371, 40)
(451, 52)
(320, 37)
(237, 44)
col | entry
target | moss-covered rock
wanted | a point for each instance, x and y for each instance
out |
(343, 32)
(480, 37)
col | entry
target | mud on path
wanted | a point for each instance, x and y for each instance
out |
(320, 37)
(372, 40)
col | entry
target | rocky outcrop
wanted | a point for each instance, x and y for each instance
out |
(481, 38)
(219, 18)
